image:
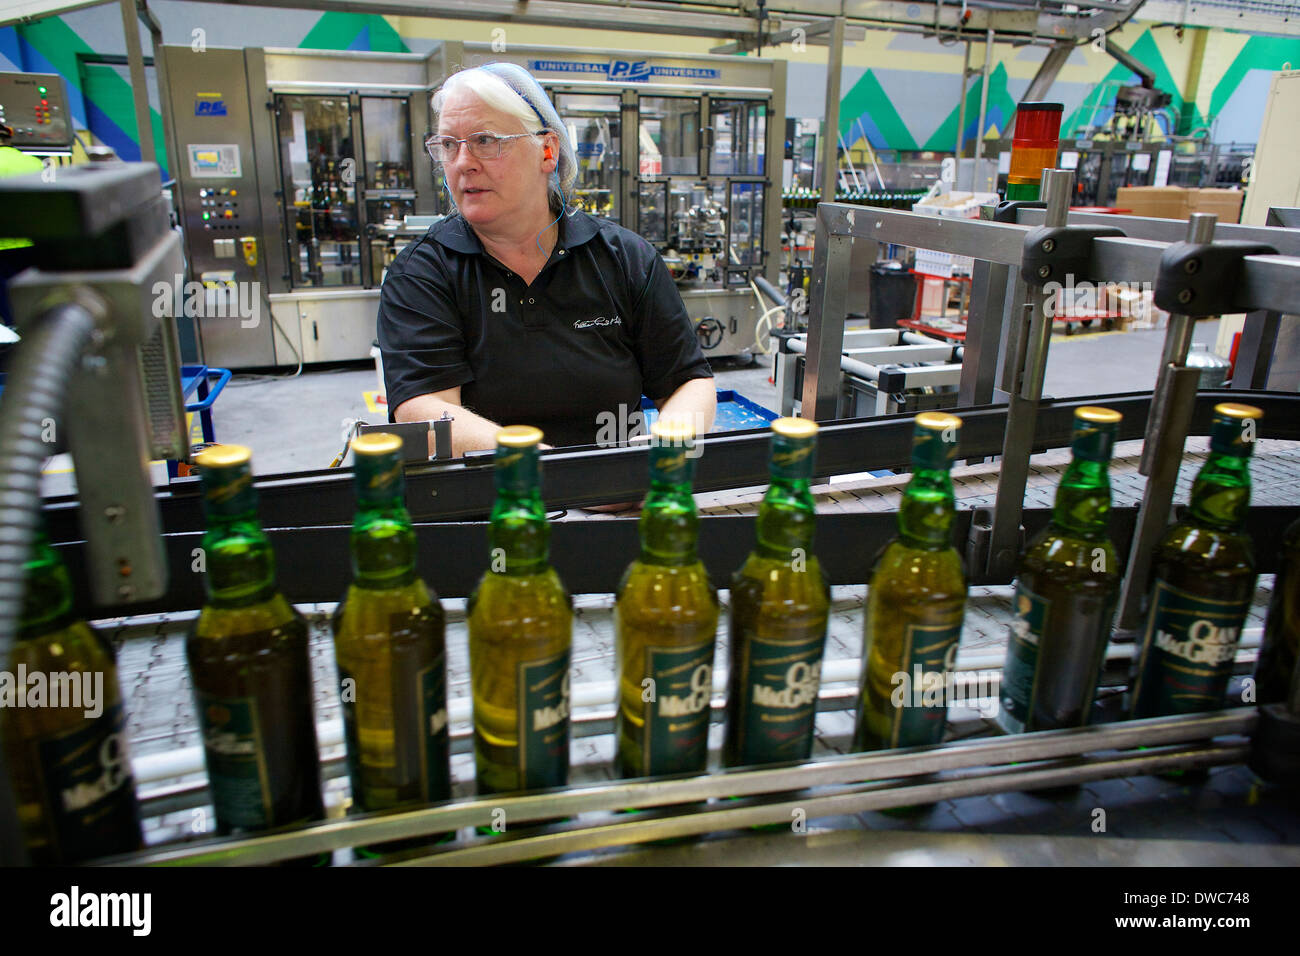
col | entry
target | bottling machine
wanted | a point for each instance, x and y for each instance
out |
(702, 191)
(305, 171)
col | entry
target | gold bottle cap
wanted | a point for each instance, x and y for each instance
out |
(938, 421)
(1234, 410)
(376, 443)
(519, 436)
(673, 430)
(1098, 415)
(795, 427)
(224, 456)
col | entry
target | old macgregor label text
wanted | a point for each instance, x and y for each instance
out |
(779, 703)
(676, 730)
(544, 722)
(1191, 646)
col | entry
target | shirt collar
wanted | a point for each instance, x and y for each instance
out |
(455, 233)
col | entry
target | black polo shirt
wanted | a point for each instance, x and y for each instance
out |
(601, 324)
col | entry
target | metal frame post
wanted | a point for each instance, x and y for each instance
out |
(1162, 449)
(984, 102)
(961, 113)
(831, 125)
(1024, 377)
(827, 309)
(139, 87)
(988, 307)
(1255, 350)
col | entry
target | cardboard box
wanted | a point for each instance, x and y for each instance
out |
(1179, 202)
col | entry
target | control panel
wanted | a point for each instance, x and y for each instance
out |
(219, 209)
(36, 106)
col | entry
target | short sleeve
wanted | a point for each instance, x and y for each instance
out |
(667, 347)
(420, 333)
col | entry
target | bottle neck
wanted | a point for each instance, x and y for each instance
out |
(669, 524)
(383, 544)
(786, 518)
(240, 563)
(1221, 492)
(47, 594)
(926, 513)
(518, 533)
(1082, 506)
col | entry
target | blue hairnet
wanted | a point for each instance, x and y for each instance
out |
(531, 92)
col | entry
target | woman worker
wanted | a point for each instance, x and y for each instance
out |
(517, 310)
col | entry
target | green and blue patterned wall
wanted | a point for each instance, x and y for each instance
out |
(900, 91)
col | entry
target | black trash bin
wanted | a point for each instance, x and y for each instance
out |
(893, 294)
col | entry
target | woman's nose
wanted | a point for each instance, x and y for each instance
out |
(463, 160)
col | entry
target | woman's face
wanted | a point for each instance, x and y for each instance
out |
(486, 191)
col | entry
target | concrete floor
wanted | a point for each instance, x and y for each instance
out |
(297, 424)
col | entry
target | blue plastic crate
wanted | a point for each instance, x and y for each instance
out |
(735, 413)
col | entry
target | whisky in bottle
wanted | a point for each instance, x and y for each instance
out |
(249, 665)
(64, 727)
(1204, 577)
(780, 604)
(389, 643)
(666, 620)
(915, 604)
(520, 635)
(1066, 588)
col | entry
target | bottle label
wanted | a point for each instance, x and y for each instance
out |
(929, 656)
(435, 774)
(1020, 672)
(236, 758)
(1188, 652)
(544, 722)
(89, 792)
(778, 700)
(676, 725)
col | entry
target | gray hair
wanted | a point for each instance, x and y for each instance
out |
(512, 90)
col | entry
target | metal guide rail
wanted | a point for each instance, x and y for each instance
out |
(596, 816)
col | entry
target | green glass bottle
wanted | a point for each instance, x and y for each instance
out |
(1066, 589)
(1203, 574)
(1281, 646)
(665, 624)
(389, 643)
(915, 604)
(249, 664)
(520, 635)
(64, 727)
(780, 604)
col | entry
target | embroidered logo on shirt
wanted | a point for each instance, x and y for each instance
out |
(598, 320)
